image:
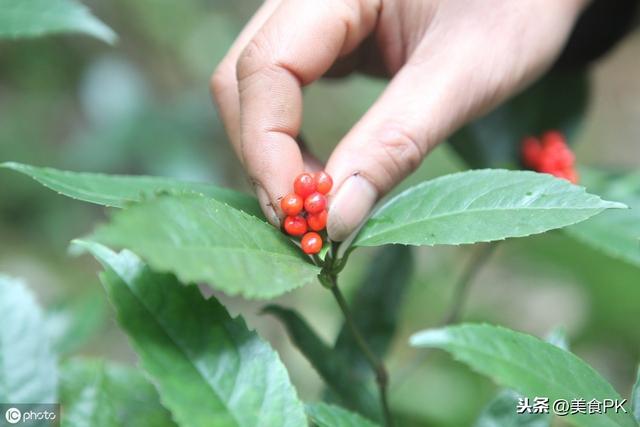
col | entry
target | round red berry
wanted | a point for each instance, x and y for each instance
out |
(569, 174)
(564, 157)
(553, 139)
(317, 221)
(295, 225)
(548, 164)
(315, 203)
(304, 185)
(572, 176)
(291, 204)
(531, 152)
(311, 243)
(323, 182)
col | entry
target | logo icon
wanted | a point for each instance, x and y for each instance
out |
(13, 415)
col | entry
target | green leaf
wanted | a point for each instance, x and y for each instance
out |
(379, 300)
(616, 233)
(28, 372)
(635, 398)
(528, 365)
(331, 366)
(35, 18)
(324, 415)
(203, 240)
(121, 190)
(99, 394)
(479, 206)
(209, 369)
(501, 412)
(74, 321)
(558, 337)
(495, 139)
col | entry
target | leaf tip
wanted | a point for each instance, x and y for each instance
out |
(12, 165)
(429, 338)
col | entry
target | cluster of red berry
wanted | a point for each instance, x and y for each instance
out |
(306, 209)
(550, 154)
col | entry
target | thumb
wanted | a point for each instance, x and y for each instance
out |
(386, 145)
(457, 71)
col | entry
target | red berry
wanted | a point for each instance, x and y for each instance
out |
(311, 243)
(548, 164)
(565, 157)
(291, 204)
(304, 185)
(569, 174)
(323, 182)
(315, 203)
(553, 139)
(572, 176)
(317, 221)
(295, 225)
(531, 152)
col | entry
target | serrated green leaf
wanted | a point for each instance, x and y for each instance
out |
(495, 139)
(203, 240)
(616, 233)
(635, 398)
(28, 372)
(209, 369)
(379, 300)
(528, 365)
(479, 206)
(331, 366)
(35, 18)
(558, 337)
(74, 321)
(324, 415)
(501, 411)
(121, 190)
(99, 394)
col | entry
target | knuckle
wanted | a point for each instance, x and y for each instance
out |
(253, 58)
(403, 150)
(222, 78)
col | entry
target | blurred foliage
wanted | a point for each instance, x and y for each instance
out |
(142, 107)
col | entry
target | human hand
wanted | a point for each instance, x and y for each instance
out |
(449, 61)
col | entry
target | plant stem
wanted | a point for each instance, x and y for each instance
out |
(382, 378)
(478, 260)
(461, 289)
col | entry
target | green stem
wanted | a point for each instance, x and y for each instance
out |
(461, 289)
(382, 378)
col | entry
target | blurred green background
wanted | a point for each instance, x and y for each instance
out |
(142, 106)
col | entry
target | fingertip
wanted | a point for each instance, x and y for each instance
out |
(349, 206)
(267, 205)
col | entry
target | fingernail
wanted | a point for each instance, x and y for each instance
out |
(350, 206)
(267, 206)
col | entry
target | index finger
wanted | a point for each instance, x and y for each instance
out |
(296, 45)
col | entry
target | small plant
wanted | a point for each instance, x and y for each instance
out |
(199, 366)
(224, 374)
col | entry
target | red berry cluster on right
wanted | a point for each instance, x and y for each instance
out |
(550, 154)
(306, 209)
